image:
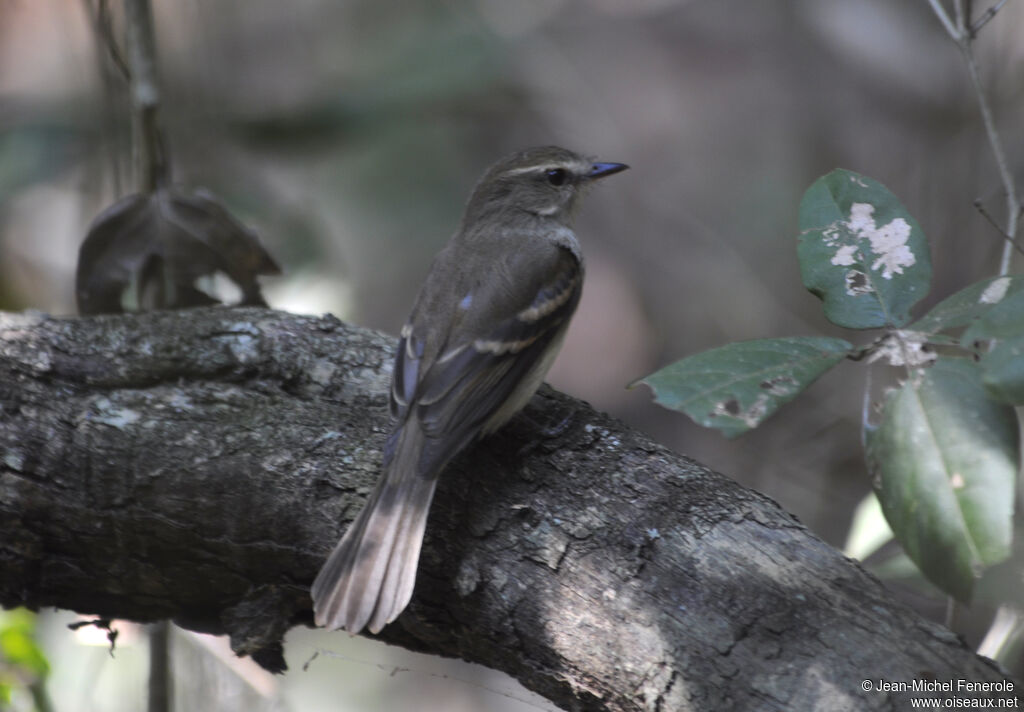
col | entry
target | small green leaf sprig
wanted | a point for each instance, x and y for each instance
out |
(945, 450)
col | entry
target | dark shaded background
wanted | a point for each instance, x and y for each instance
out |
(350, 133)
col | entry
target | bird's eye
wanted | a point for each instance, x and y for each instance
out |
(557, 176)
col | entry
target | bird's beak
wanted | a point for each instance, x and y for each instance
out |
(600, 170)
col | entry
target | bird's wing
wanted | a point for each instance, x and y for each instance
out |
(493, 350)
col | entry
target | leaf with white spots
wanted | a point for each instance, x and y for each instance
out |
(902, 347)
(969, 304)
(1004, 320)
(944, 462)
(734, 388)
(1002, 361)
(861, 252)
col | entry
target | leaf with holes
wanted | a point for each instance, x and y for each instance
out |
(149, 249)
(944, 462)
(734, 388)
(861, 252)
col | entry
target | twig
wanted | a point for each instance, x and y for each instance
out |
(106, 29)
(962, 14)
(943, 16)
(102, 623)
(1009, 184)
(865, 414)
(980, 207)
(145, 93)
(114, 74)
(103, 27)
(962, 34)
(985, 17)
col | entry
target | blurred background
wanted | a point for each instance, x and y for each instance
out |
(348, 134)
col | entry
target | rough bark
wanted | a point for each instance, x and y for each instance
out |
(199, 465)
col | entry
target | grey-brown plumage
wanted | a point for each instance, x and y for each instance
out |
(485, 328)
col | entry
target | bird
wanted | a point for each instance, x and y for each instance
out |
(483, 332)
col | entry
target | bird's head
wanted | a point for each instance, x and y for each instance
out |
(546, 182)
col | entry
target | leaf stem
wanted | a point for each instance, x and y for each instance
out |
(865, 413)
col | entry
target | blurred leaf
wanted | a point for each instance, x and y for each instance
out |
(23, 666)
(868, 530)
(1004, 582)
(155, 246)
(19, 651)
(944, 461)
(734, 388)
(1005, 320)
(968, 304)
(1004, 641)
(1002, 371)
(36, 152)
(861, 252)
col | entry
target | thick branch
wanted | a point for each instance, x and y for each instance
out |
(199, 465)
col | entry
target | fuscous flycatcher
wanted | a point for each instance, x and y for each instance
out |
(485, 328)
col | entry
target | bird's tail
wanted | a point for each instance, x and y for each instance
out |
(369, 577)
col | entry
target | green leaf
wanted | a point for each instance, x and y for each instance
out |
(861, 252)
(1005, 320)
(18, 647)
(968, 304)
(734, 388)
(1002, 371)
(944, 462)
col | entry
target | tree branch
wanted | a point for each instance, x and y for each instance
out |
(199, 465)
(141, 42)
(963, 34)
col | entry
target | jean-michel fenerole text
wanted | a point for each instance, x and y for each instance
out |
(924, 685)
